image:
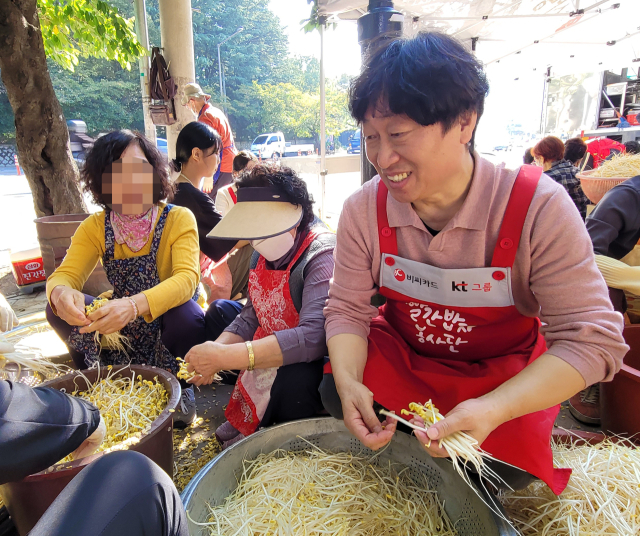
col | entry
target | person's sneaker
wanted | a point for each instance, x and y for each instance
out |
(185, 413)
(585, 406)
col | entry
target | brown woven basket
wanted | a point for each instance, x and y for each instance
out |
(595, 187)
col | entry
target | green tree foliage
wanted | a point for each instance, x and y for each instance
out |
(7, 128)
(256, 63)
(90, 46)
(100, 93)
(295, 111)
(86, 28)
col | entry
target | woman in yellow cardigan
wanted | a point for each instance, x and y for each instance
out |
(150, 253)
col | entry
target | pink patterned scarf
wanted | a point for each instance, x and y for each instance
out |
(134, 230)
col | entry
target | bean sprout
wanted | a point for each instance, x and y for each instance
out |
(602, 497)
(323, 493)
(115, 341)
(622, 165)
(128, 405)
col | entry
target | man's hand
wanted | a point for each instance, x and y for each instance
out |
(92, 443)
(111, 317)
(69, 305)
(361, 419)
(476, 417)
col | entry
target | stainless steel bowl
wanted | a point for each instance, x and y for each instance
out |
(14, 373)
(216, 480)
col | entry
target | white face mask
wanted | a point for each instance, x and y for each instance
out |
(275, 247)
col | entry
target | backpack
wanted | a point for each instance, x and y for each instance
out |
(161, 88)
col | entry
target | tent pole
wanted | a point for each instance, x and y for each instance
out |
(323, 134)
(143, 62)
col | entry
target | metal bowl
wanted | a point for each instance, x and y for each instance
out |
(15, 373)
(216, 480)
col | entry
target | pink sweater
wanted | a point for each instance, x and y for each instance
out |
(554, 275)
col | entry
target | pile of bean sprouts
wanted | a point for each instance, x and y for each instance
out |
(324, 493)
(623, 165)
(128, 405)
(601, 499)
(113, 341)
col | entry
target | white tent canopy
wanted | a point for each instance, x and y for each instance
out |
(525, 35)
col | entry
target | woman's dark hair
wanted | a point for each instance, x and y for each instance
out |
(293, 188)
(195, 134)
(528, 157)
(574, 149)
(632, 147)
(109, 148)
(551, 149)
(242, 159)
(431, 78)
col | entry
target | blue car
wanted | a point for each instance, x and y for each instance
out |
(354, 143)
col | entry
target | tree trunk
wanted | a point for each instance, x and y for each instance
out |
(41, 131)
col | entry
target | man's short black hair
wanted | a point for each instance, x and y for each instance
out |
(528, 157)
(431, 78)
(242, 159)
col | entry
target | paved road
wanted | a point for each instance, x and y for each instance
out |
(17, 230)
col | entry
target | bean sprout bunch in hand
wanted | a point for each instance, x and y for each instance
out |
(452, 442)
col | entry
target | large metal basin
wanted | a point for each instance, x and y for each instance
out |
(215, 481)
(28, 499)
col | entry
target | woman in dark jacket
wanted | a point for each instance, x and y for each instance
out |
(198, 153)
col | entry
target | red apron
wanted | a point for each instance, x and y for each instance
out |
(271, 300)
(454, 334)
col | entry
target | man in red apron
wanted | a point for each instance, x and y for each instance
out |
(277, 341)
(468, 256)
